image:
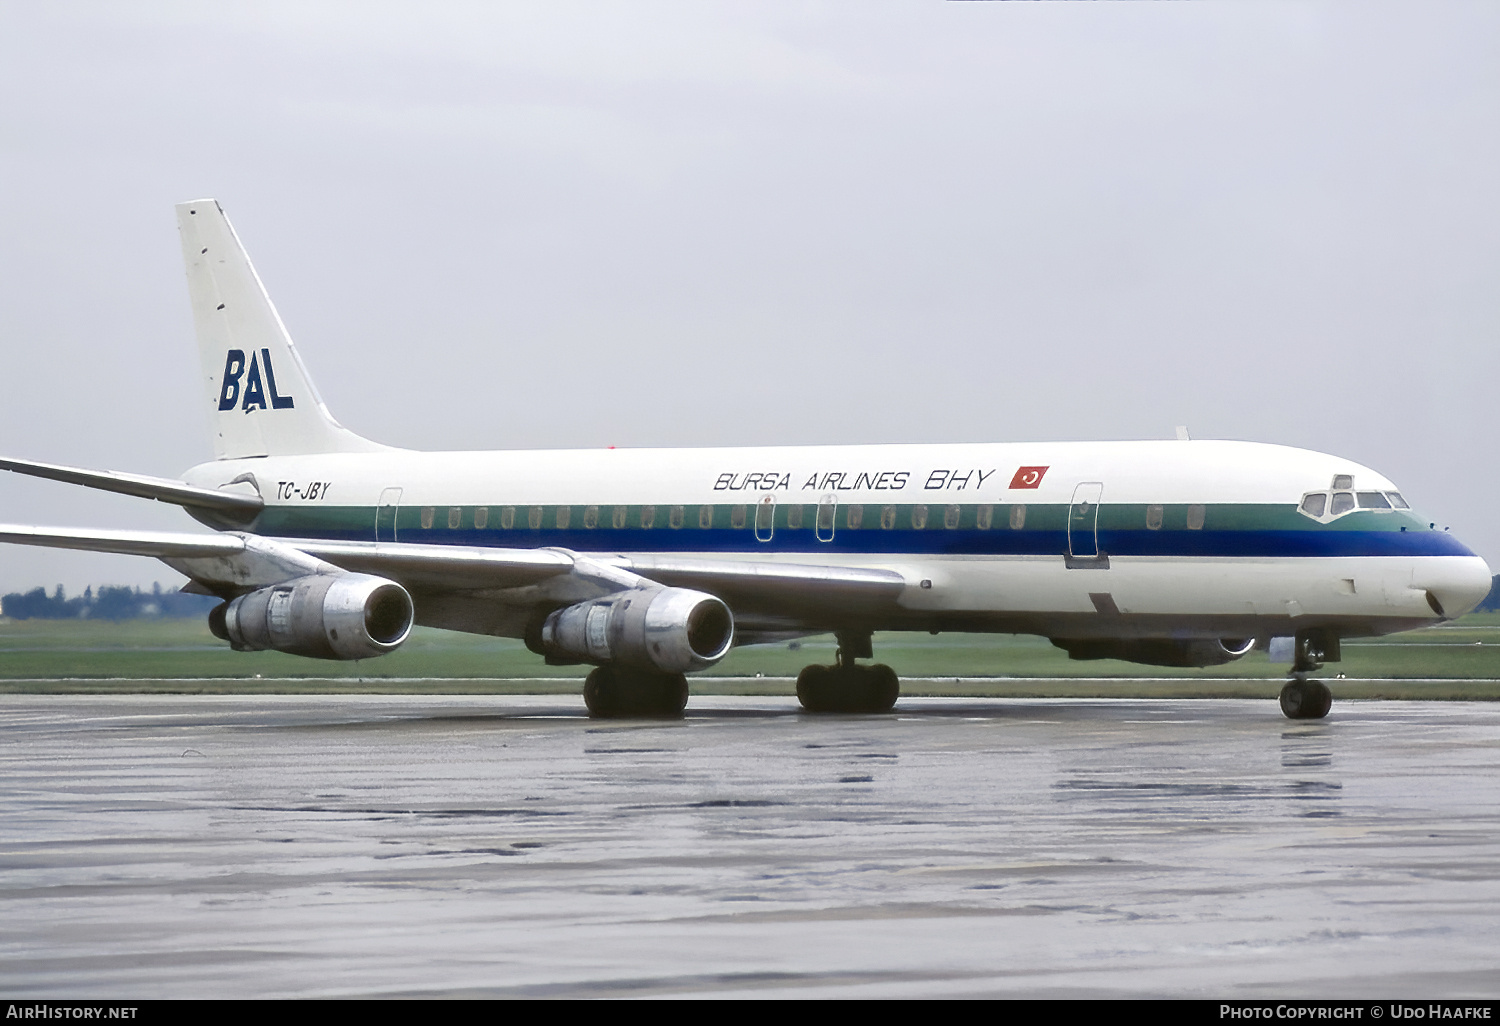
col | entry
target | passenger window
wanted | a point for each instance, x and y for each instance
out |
(534, 518)
(1343, 481)
(983, 517)
(855, 516)
(918, 518)
(1314, 503)
(1196, 514)
(455, 517)
(951, 517)
(1372, 500)
(675, 517)
(507, 517)
(621, 512)
(1396, 500)
(705, 517)
(1017, 517)
(648, 517)
(427, 518)
(481, 517)
(737, 517)
(565, 517)
(794, 517)
(887, 517)
(1153, 518)
(590, 517)
(1343, 502)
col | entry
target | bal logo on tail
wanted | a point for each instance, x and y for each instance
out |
(255, 389)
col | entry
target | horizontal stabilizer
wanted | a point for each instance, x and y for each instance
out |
(244, 505)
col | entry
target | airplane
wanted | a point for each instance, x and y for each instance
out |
(650, 564)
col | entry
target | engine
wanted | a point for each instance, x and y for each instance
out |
(670, 630)
(325, 616)
(1158, 651)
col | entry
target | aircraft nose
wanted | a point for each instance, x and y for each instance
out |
(1458, 585)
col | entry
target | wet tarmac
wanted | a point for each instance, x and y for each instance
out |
(155, 846)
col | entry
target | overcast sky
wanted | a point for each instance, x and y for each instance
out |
(633, 224)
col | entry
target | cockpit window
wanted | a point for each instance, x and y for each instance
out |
(1317, 505)
(1343, 481)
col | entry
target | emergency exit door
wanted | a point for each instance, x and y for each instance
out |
(1083, 520)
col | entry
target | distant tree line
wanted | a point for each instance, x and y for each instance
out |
(108, 603)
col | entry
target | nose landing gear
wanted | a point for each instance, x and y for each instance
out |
(1301, 698)
(846, 687)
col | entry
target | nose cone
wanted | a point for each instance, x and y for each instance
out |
(1456, 584)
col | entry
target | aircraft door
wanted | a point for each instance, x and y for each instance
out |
(385, 515)
(1083, 520)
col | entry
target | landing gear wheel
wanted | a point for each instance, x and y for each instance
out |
(614, 691)
(1306, 700)
(848, 689)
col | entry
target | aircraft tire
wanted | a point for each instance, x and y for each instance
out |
(1321, 699)
(848, 689)
(814, 690)
(1306, 700)
(885, 688)
(612, 691)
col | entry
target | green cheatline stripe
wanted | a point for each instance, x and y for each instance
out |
(803, 516)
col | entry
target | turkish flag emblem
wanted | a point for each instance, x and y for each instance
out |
(1028, 477)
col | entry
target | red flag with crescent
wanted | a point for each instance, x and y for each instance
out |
(1028, 477)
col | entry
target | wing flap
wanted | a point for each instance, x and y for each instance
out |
(442, 567)
(797, 596)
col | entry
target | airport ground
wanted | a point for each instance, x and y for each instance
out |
(508, 846)
(426, 825)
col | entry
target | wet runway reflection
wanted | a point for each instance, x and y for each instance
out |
(218, 846)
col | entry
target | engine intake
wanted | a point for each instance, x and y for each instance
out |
(325, 616)
(672, 630)
(1158, 651)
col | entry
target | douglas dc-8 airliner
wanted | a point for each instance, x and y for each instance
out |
(650, 564)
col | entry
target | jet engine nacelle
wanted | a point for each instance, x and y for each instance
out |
(325, 616)
(1158, 651)
(671, 630)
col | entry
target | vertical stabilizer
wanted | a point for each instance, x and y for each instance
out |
(260, 399)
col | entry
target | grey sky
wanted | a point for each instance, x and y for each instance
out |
(494, 226)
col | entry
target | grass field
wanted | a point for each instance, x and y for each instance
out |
(1459, 660)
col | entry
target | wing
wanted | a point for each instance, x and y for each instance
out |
(767, 596)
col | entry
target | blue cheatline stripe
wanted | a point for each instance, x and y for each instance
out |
(934, 542)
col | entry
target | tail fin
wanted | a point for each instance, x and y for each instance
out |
(261, 400)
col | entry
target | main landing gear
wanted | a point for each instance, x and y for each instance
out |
(846, 687)
(1303, 699)
(611, 691)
